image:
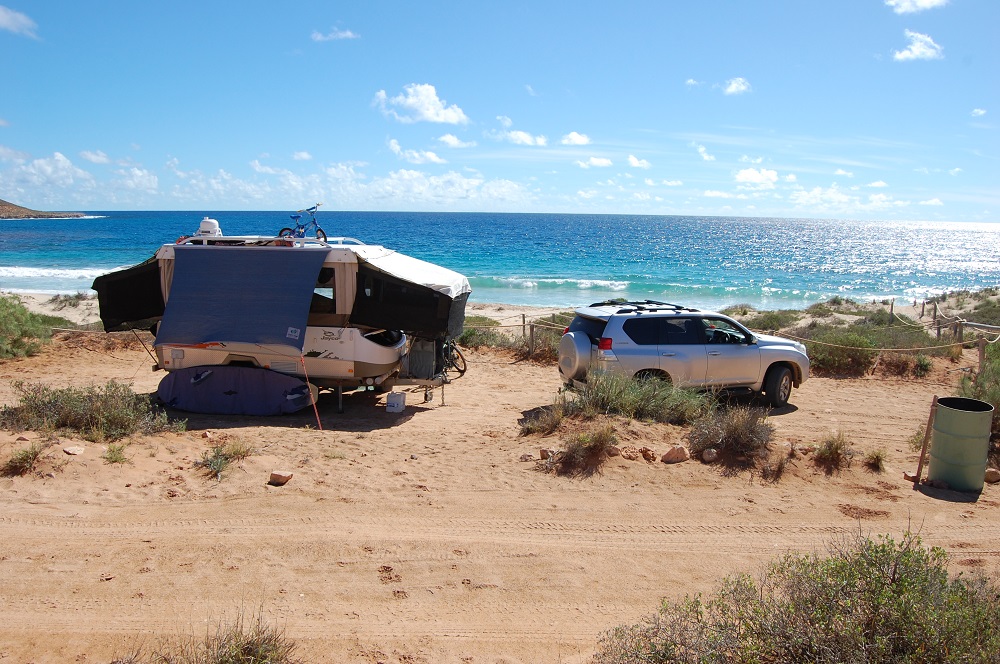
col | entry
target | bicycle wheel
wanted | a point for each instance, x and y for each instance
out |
(456, 359)
(320, 234)
(285, 232)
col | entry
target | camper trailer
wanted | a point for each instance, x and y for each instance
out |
(334, 314)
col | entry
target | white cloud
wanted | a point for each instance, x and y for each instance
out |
(138, 179)
(737, 86)
(530, 90)
(932, 201)
(877, 183)
(588, 193)
(751, 178)
(453, 141)
(516, 136)
(301, 155)
(267, 170)
(673, 183)
(641, 196)
(921, 47)
(54, 171)
(978, 112)
(17, 23)
(703, 152)
(841, 171)
(790, 177)
(574, 138)
(912, 6)
(333, 35)
(596, 162)
(955, 171)
(691, 82)
(419, 103)
(635, 162)
(746, 159)
(415, 156)
(10, 154)
(712, 193)
(95, 156)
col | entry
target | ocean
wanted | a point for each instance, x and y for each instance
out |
(564, 260)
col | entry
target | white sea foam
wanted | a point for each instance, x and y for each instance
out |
(17, 272)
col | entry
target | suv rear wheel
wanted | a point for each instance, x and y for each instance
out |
(778, 386)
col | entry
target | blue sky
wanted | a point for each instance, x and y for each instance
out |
(859, 109)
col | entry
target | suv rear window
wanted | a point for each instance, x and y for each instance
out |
(592, 327)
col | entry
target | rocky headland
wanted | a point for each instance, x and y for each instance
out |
(11, 211)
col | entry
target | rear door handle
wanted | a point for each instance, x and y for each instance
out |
(714, 352)
(669, 354)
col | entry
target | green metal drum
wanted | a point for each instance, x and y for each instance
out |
(961, 443)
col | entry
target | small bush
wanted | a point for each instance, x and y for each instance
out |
(736, 310)
(586, 453)
(23, 461)
(115, 453)
(651, 399)
(840, 352)
(545, 420)
(21, 332)
(734, 431)
(773, 320)
(870, 600)
(216, 460)
(246, 641)
(97, 413)
(72, 301)
(834, 452)
(922, 365)
(875, 460)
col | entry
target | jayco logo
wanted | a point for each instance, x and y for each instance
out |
(293, 333)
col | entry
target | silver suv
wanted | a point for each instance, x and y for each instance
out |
(690, 348)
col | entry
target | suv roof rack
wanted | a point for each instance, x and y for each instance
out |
(644, 305)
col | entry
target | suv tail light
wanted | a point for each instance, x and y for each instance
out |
(604, 344)
(566, 331)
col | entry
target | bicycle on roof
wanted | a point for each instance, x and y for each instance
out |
(299, 230)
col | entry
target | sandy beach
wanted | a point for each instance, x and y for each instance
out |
(423, 536)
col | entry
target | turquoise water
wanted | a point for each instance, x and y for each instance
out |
(567, 260)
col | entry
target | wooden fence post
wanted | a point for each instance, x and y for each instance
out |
(982, 351)
(922, 305)
(524, 330)
(531, 340)
(892, 303)
(961, 332)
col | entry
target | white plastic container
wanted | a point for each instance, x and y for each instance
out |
(395, 402)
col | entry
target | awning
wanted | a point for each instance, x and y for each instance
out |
(240, 294)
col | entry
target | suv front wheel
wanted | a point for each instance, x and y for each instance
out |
(778, 386)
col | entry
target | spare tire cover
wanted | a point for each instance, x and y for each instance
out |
(574, 355)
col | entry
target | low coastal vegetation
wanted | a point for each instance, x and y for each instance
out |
(985, 386)
(105, 413)
(868, 600)
(539, 341)
(738, 433)
(217, 460)
(245, 640)
(22, 332)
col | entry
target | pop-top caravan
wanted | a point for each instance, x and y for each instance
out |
(275, 314)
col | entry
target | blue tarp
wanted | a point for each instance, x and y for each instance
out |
(240, 294)
(228, 390)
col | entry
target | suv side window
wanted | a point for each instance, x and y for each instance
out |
(680, 331)
(592, 327)
(723, 332)
(643, 331)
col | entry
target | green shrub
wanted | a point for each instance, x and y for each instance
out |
(21, 332)
(840, 352)
(985, 386)
(545, 420)
(875, 460)
(834, 452)
(246, 641)
(23, 461)
(115, 453)
(922, 365)
(586, 452)
(870, 600)
(986, 312)
(652, 399)
(734, 431)
(216, 460)
(97, 413)
(773, 320)
(736, 310)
